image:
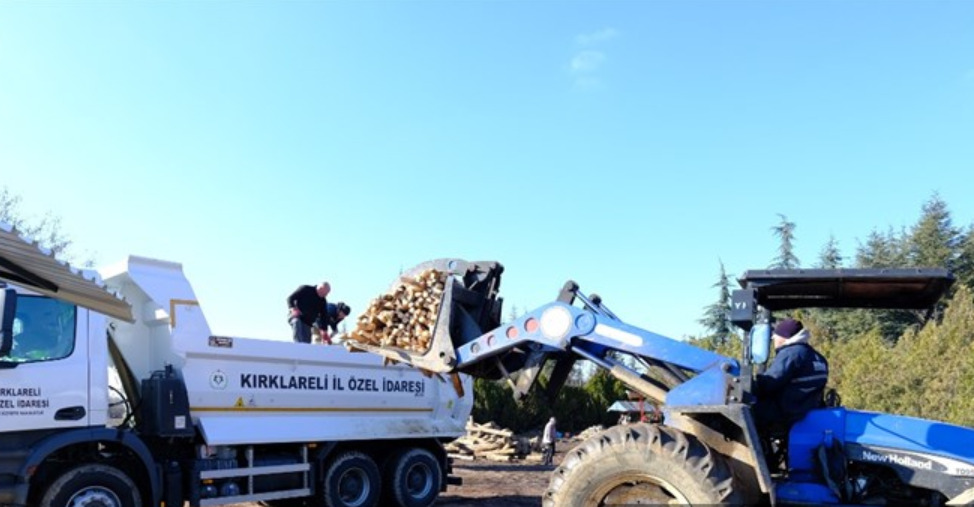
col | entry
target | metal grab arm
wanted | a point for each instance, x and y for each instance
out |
(554, 326)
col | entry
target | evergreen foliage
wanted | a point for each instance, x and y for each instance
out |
(830, 257)
(716, 319)
(933, 241)
(576, 408)
(785, 231)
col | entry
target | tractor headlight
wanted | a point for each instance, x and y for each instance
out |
(556, 322)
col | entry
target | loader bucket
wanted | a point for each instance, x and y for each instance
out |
(468, 308)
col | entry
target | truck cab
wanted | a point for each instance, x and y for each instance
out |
(202, 418)
(49, 351)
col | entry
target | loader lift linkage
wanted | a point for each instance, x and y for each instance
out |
(708, 449)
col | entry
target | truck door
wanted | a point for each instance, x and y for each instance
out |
(45, 375)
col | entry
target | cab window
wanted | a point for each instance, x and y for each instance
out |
(43, 330)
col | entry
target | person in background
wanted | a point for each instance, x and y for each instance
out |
(548, 437)
(335, 313)
(307, 307)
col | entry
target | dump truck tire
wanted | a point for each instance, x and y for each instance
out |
(641, 464)
(351, 479)
(92, 485)
(412, 478)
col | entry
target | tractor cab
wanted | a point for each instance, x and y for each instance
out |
(764, 292)
(799, 449)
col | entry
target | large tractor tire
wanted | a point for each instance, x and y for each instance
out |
(641, 464)
(92, 484)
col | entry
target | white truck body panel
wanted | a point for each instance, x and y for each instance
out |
(262, 391)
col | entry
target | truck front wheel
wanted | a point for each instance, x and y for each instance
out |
(413, 478)
(351, 479)
(641, 464)
(86, 485)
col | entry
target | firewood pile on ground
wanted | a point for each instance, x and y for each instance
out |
(489, 442)
(590, 432)
(404, 317)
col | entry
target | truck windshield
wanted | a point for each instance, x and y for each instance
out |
(43, 330)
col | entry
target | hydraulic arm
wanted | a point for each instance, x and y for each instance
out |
(469, 338)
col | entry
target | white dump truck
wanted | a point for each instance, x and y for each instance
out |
(198, 417)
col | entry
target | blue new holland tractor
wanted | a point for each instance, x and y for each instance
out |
(708, 449)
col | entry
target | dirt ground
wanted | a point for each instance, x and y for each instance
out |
(491, 484)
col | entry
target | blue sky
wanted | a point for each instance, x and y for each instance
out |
(630, 146)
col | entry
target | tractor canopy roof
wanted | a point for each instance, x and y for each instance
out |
(905, 288)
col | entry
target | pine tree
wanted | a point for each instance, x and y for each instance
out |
(934, 241)
(716, 319)
(882, 251)
(964, 267)
(833, 323)
(830, 257)
(785, 231)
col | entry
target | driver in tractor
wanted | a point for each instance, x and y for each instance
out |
(794, 383)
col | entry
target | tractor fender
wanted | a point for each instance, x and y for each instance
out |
(743, 453)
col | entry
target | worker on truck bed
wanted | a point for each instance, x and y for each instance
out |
(793, 384)
(307, 307)
(334, 314)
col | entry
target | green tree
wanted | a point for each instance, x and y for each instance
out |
(964, 268)
(882, 251)
(603, 390)
(47, 230)
(830, 257)
(716, 319)
(785, 231)
(855, 370)
(933, 240)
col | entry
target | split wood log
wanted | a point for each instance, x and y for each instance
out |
(474, 427)
(497, 457)
(405, 317)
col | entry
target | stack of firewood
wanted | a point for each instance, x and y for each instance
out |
(403, 318)
(490, 442)
(590, 432)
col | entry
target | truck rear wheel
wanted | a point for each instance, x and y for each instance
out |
(641, 464)
(85, 485)
(413, 478)
(351, 480)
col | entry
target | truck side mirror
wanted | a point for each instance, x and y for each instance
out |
(8, 307)
(760, 337)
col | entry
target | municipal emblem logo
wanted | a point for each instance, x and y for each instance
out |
(218, 380)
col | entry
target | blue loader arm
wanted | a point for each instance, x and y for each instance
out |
(559, 328)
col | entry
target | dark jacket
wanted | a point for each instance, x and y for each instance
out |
(796, 379)
(331, 317)
(310, 304)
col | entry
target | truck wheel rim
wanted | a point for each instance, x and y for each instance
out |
(419, 480)
(95, 497)
(354, 487)
(637, 488)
